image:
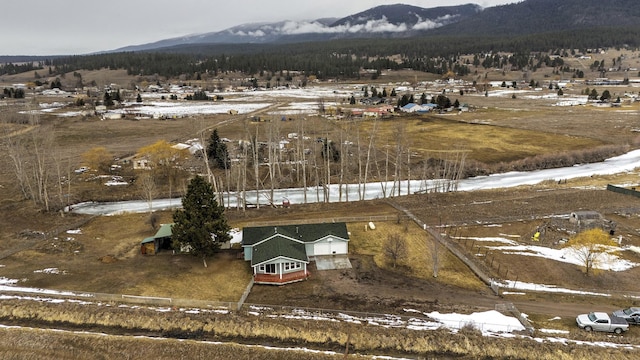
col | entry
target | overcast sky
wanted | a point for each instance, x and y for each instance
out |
(65, 27)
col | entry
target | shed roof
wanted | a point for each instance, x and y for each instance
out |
(148, 240)
(586, 214)
(164, 231)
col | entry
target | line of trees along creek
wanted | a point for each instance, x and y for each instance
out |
(319, 155)
(315, 157)
(348, 155)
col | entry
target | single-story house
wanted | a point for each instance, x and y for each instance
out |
(411, 107)
(280, 254)
(160, 241)
(374, 100)
(417, 108)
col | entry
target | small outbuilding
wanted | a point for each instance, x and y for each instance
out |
(585, 217)
(160, 241)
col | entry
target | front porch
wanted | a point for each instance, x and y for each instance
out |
(277, 279)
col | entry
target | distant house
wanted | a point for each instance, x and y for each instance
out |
(374, 100)
(193, 146)
(160, 241)
(417, 108)
(583, 218)
(411, 107)
(141, 164)
(281, 254)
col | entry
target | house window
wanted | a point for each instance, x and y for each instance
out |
(292, 266)
(261, 268)
(270, 268)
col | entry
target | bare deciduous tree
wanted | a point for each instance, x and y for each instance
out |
(395, 248)
(366, 165)
(148, 188)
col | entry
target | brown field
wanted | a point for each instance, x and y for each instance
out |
(104, 257)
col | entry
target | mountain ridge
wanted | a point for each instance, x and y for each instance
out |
(383, 19)
(406, 21)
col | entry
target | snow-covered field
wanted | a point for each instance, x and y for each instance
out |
(169, 109)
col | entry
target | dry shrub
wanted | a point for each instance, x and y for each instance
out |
(468, 343)
(556, 160)
(108, 259)
(19, 343)
(470, 328)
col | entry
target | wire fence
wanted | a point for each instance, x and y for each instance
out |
(347, 219)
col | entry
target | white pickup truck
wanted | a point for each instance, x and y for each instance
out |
(601, 321)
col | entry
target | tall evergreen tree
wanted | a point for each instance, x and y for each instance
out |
(404, 100)
(217, 151)
(200, 225)
(108, 101)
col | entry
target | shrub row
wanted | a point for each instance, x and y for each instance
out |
(325, 335)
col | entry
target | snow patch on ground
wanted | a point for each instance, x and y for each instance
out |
(236, 236)
(54, 271)
(606, 261)
(519, 285)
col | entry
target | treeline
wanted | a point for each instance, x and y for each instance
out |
(12, 69)
(345, 58)
(547, 161)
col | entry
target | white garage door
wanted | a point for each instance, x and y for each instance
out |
(330, 248)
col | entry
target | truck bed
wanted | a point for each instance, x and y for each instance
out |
(616, 320)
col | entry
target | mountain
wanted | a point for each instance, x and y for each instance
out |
(386, 20)
(404, 21)
(400, 18)
(538, 16)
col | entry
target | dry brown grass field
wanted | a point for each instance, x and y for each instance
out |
(104, 256)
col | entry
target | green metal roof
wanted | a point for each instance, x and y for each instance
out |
(278, 246)
(148, 240)
(304, 232)
(164, 231)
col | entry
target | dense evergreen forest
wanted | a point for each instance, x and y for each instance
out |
(345, 58)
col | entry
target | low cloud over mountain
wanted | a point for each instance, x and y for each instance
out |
(398, 20)
(368, 26)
